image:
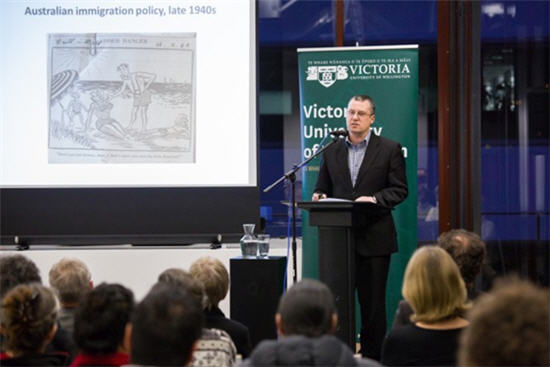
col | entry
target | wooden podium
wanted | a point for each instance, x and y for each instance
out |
(336, 223)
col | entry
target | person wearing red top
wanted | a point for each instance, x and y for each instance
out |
(113, 359)
(102, 326)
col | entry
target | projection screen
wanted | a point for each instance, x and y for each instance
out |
(127, 121)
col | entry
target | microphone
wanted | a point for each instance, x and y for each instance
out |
(338, 133)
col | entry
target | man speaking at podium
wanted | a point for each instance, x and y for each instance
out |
(368, 168)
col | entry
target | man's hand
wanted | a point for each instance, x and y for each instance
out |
(367, 199)
(318, 196)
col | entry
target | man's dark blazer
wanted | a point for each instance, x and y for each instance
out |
(382, 175)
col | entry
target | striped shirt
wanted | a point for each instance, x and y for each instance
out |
(356, 153)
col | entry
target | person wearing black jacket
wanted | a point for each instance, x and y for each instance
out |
(306, 319)
(367, 168)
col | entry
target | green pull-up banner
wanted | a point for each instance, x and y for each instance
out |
(329, 77)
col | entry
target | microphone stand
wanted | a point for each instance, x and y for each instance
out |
(291, 176)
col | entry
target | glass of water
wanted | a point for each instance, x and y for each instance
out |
(263, 245)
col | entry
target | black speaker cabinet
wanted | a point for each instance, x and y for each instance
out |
(256, 286)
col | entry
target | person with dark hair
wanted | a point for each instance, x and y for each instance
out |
(509, 326)
(432, 285)
(307, 309)
(28, 324)
(15, 270)
(214, 277)
(181, 278)
(166, 327)
(18, 269)
(468, 251)
(367, 168)
(102, 326)
(306, 317)
(214, 347)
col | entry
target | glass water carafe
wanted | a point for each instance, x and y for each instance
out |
(249, 242)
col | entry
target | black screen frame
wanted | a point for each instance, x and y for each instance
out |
(141, 216)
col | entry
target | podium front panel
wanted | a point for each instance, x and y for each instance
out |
(337, 271)
(331, 219)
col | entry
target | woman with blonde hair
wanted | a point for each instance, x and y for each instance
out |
(214, 277)
(436, 292)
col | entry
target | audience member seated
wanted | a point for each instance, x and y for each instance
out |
(102, 326)
(15, 270)
(213, 276)
(468, 251)
(306, 317)
(29, 314)
(214, 347)
(18, 269)
(72, 281)
(436, 292)
(165, 327)
(510, 326)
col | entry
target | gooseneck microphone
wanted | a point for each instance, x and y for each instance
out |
(338, 133)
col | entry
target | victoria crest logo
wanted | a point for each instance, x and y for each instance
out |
(327, 75)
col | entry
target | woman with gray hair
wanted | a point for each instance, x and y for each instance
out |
(214, 277)
(72, 281)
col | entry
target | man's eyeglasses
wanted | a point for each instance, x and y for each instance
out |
(359, 113)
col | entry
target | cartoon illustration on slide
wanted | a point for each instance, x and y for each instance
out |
(121, 98)
(61, 82)
(76, 109)
(138, 84)
(101, 108)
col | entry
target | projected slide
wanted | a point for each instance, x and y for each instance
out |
(127, 93)
(138, 119)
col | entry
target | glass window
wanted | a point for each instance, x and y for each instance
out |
(515, 158)
(287, 25)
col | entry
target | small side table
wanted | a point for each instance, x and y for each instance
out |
(256, 286)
